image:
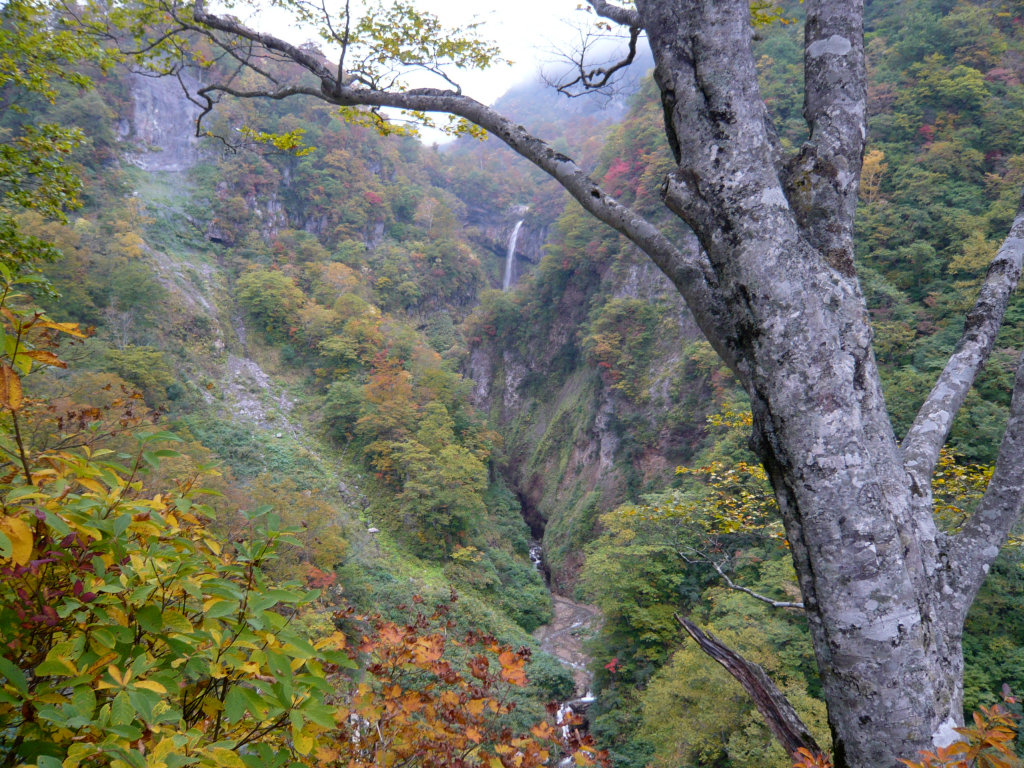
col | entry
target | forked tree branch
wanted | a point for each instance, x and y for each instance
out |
(930, 429)
(591, 79)
(779, 715)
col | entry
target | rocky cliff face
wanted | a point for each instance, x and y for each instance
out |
(163, 124)
(574, 445)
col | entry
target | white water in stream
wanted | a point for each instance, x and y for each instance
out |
(511, 257)
(563, 638)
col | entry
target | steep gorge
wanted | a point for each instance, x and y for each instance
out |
(575, 445)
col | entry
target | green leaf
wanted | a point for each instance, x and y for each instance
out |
(256, 704)
(143, 701)
(234, 705)
(55, 667)
(125, 731)
(221, 609)
(121, 710)
(84, 700)
(321, 714)
(283, 595)
(121, 524)
(149, 618)
(14, 676)
(56, 524)
(279, 665)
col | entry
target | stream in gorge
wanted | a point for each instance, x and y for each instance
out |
(563, 638)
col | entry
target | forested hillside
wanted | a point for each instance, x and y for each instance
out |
(318, 327)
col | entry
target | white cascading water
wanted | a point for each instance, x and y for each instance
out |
(511, 257)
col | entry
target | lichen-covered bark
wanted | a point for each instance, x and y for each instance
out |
(773, 286)
(781, 249)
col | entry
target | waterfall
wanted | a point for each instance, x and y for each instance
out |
(511, 257)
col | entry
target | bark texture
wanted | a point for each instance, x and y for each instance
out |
(783, 721)
(770, 279)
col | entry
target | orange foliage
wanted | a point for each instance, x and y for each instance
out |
(416, 708)
(986, 745)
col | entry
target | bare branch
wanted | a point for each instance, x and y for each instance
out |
(593, 79)
(733, 585)
(928, 434)
(627, 17)
(739, 588)
(779, 715)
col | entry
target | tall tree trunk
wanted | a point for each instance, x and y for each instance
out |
(779, 240)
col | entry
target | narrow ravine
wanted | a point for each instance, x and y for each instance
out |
(563, 638)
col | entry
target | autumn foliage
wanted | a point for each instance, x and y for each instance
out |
(418, 707)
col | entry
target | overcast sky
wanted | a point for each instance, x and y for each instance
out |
(525, 30)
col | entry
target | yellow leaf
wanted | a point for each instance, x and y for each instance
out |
(326, 754)
(303, 742)
(336, 641)
(175, 621)
(100, 662)
(10, 388)
(150, 685)
(54, 698)
(163, 749)
(91, 485)
(18, 531)
(47, 358)
(227, 758)
(115, 673)
(69, 328)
